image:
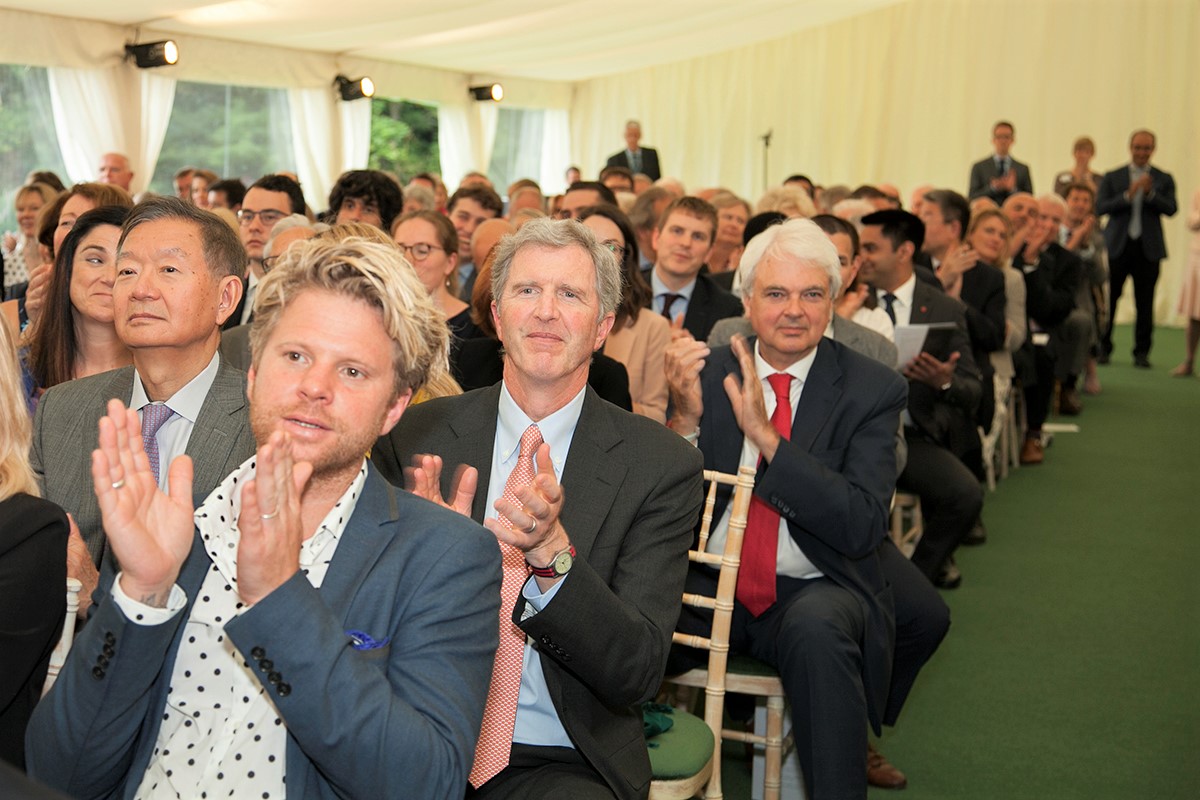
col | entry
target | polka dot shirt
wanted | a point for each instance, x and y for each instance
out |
(221, 734)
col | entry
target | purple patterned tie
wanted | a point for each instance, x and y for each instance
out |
(154, 416)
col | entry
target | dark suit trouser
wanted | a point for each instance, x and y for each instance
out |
(544, 772)
(951, 499)
(812, 636)
(1132, 263)
(1039, 391)
(922, 620)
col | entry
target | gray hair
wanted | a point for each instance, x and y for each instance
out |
(795, 240)
(559, 235)
(420, 195)
(286, 224)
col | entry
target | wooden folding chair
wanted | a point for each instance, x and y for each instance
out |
(906, 525)
(719, 677)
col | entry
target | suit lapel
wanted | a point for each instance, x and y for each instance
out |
(366, 536)
(474, 430)
(217, 427)
(591, 477)
(818, 398)
(921, 306)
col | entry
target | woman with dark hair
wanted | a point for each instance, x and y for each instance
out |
(75, 336)
(639, 337)
(428, 241)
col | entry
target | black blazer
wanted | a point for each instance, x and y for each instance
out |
(709, 304)
(33, 603)
(946, 418)
(650, 166)
(1159, 203)
(984, 170)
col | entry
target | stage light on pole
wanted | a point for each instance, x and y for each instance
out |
(353, 89)
(491, 91)
(153, 54)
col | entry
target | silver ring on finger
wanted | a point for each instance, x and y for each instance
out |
(118, 484)
(272, 515)
(532, 527)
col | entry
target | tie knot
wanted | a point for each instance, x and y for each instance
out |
(781, 382)
(531, 440)
(154, 416)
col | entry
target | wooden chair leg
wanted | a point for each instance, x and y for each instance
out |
(773, 772)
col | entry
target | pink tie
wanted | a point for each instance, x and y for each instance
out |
(154, 416)
(756, 579)
(500, 714)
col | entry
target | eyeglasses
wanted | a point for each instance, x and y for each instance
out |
(616, 248)
(420, 251)
(269, 217)
(269, 263)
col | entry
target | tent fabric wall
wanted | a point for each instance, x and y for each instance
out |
(908, 94)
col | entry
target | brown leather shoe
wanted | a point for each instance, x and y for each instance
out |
(1032, 451)
(880, 773)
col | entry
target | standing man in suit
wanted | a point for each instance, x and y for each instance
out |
(999, 175)
(179, 277)
(1135, 197)
(599, 504)
(943, 391)
(637, 159)
(819, 420)
(318, 632)
(681, 244)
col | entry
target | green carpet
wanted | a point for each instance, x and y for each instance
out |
(1072, 668)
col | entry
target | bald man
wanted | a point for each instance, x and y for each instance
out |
(114, 169)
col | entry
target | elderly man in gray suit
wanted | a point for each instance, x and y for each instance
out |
(179, 277)
(597, 503)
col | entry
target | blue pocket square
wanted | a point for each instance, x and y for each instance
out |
(362, 641)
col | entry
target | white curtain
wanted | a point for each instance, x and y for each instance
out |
(112, 109)
(556, 150)
(329, 136)
(466, 134)
(354, 119)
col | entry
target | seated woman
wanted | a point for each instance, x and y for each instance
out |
(33, 567)
(989, 236)
(429, 242)
(53, 224)
(75, 336)
(639, 337)
(21, 254)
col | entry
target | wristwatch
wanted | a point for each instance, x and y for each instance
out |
(559, 565)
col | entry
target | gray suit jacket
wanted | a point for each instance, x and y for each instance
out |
(397, 720)
(65, 432)
(632, 493)
(863, 340)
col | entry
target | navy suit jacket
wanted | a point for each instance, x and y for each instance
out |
(1159, 203)
(984, 170)
(650, 166)
(708, 304)
(832, 481)
(632, 495)
(400, 720)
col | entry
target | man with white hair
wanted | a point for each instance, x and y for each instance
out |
(114, 169)
(819, 420)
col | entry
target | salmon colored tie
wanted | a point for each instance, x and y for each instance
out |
(500, 714)
(756, 578)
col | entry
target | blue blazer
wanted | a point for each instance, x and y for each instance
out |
(1159, 203)
(400, 720)
(832, 481)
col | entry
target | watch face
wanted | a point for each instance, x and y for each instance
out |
(562, 562)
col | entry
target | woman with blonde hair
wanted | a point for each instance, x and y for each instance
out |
(21, 254)
(990, 235)
(33, 566)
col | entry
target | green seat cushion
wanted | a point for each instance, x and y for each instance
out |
(745, 665)
(681, 751)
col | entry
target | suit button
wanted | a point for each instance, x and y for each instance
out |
(274, 678)
(283, 689)
(266, 665)
(110, 638)
(546, 639)
(108, 650)
(97, 673)
(257, 652)
(102, 661)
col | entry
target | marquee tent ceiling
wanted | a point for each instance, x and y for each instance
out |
(559, 40)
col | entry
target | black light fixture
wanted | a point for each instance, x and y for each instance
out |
(353, 89)
(491, 91)
(153, 54)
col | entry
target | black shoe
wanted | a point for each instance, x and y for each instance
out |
(948, 577)
(1141, 361)
(977, 535)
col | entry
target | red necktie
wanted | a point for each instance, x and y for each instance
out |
(756, 579)
(500, 714)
